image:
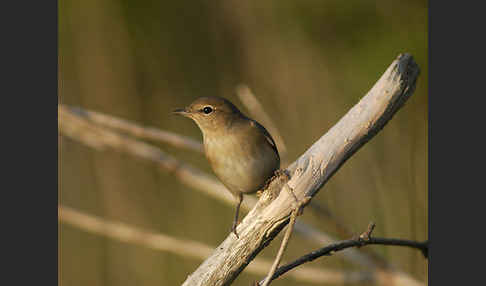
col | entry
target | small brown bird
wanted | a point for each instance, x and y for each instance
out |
(241, 152)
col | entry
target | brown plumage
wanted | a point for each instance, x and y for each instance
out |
(241, 152)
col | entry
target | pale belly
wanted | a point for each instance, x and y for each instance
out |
(241, 168)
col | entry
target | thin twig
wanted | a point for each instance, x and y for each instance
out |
(296, 212)
(363, 240)
(188, 248)
(283, 246)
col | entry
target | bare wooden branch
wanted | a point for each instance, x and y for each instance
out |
(309, 173)
(363, 240)
(188, 248)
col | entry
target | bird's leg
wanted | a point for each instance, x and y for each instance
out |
(235, 221)
(259, 193)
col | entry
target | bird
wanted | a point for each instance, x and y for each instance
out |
(241, 152)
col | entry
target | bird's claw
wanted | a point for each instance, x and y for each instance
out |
(233, 229)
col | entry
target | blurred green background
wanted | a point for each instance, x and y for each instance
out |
(308, 62)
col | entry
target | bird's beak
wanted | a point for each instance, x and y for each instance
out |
(182, 111)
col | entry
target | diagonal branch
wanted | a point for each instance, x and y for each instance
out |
(309, 173)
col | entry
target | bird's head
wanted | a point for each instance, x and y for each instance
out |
(211, 113)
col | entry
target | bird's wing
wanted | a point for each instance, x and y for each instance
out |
(268, 137)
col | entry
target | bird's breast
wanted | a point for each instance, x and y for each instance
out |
(241, 165)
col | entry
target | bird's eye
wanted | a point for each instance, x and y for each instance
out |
(207, 110)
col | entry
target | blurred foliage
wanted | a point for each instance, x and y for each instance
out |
(307, 61)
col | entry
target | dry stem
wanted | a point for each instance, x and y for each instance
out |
(296, 212)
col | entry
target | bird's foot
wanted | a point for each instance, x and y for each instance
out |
(259, 193)
(233, 228)
(276, 174)
(280, 172)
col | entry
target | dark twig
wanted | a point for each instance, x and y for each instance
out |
(363, 240)
(367, 234)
